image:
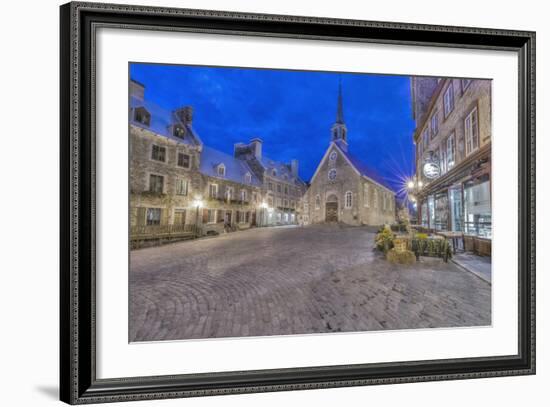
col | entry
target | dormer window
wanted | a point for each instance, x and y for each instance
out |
(221, 170)
(179, 132)
(141, 115)
(248, 178)
(274, 172)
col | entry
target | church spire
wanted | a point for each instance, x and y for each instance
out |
(339, 130)
(340, 110)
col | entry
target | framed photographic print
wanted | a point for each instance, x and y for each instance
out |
(255, 203)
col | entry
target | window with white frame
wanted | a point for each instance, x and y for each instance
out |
(213, 190)
(181, 186)
(211, 217)
(376, 198)
(449, 100)
(451, 151)
(465, 83)
(229, 193)
(184, 160)
(317, 202)
(270, 186)
(279, 189)
(286, 189)
(158, 153)
(285, 203)
(471, 130)
(443, 157)
(221, 170)
(348, 199)
(434, 123)
(366, 195)
(254, 197)
(243, 195)
(278, 202)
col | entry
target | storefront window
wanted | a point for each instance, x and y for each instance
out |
(477, 209)
(424, 214)
(441, 214)
(455, 195)
(431, 211)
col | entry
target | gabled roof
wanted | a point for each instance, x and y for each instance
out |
(235, 169)
(360, 167)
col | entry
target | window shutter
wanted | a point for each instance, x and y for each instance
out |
(220, 216)
(205, 215)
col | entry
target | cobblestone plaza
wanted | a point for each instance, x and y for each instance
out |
(294, 280)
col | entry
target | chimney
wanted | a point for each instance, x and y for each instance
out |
(185, 114)
(294, 168)
(137, 90)
(256, 147)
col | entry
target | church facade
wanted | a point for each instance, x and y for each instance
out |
(343, 189)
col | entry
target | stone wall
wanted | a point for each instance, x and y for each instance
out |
(477, 94)
(347, 179)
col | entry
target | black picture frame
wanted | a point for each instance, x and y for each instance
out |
(78, 382)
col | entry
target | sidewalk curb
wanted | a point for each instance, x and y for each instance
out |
(478, 275)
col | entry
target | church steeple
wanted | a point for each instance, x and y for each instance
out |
(339, 130)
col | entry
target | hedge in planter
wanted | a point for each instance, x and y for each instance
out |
(432, 248)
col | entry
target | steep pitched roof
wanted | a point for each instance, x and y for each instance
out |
(361, 167)
(161, 120)
(235, 169)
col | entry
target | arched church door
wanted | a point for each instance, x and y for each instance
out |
(331, 209)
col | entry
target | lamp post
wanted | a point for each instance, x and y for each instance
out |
(414, 187)
(197, 203)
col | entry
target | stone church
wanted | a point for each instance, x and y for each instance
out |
(343, 189)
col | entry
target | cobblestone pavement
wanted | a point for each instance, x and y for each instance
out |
(297, 280)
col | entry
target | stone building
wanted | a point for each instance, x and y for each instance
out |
(179, 186)
(343, 189)
(282, 188)
(453, 155)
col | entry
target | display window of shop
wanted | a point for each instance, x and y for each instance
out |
(477, 208)
(431, 211)
(455, 204)
(424, 215)
(441, 211)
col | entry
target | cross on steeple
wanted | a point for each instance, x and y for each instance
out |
(339, 130)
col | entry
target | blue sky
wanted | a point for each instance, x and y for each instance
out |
(292, 112)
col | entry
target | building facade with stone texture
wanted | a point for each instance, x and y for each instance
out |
(178, 184)
(453, 155)
(344, 189)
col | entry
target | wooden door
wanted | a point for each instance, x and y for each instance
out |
(331, 213)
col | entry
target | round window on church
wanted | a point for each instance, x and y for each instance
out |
(332, 174)
(332, 156)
